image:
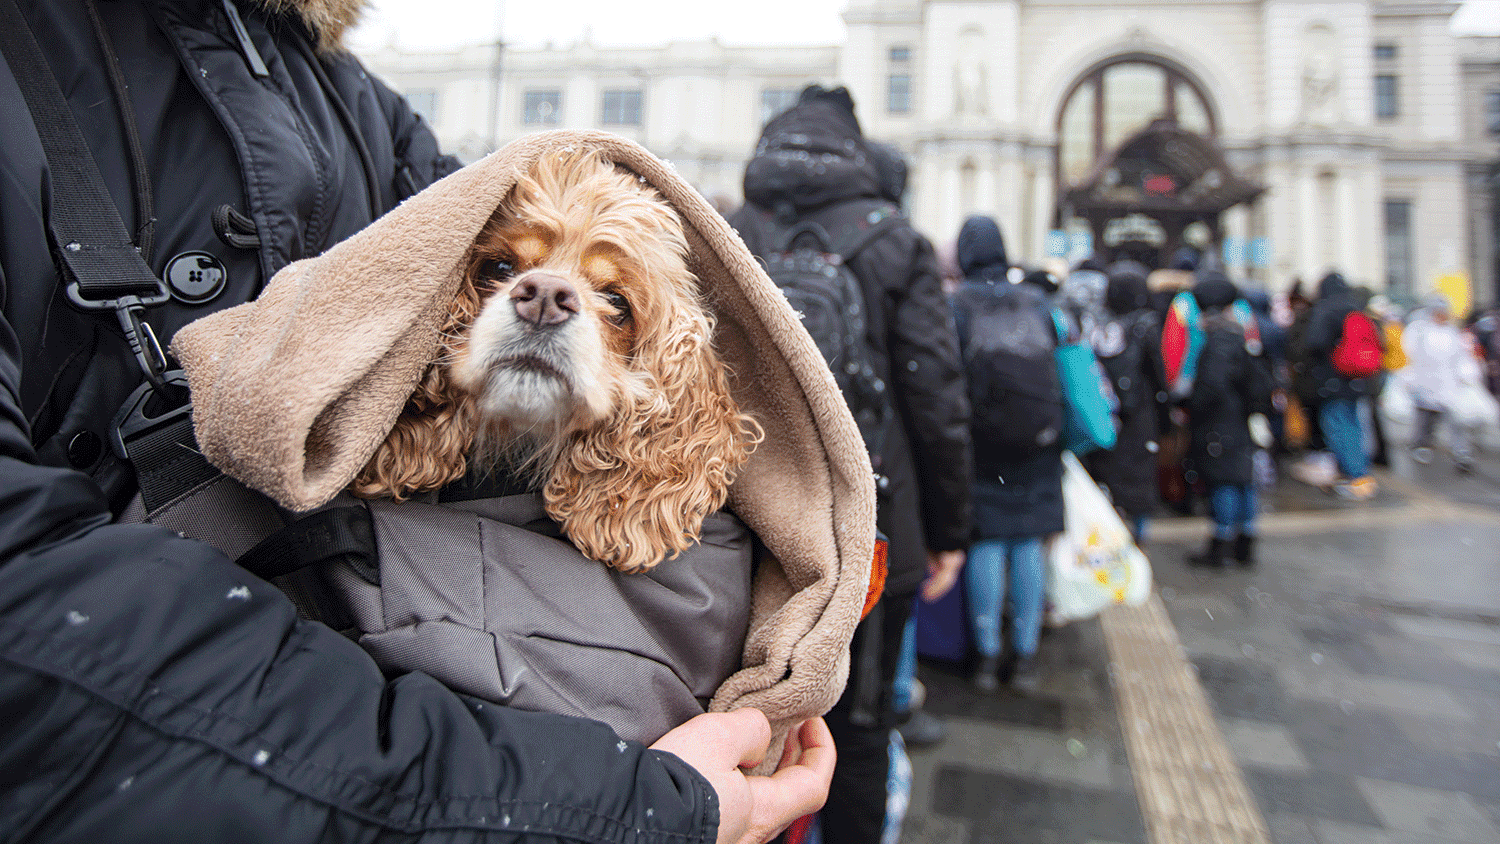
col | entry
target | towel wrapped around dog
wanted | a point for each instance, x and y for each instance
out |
(295, 391)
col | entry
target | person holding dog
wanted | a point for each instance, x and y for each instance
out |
(154, 689)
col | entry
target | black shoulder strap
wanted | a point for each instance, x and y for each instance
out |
(105, 271)
(851, 229)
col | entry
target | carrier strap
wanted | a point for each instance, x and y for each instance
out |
(105, 269)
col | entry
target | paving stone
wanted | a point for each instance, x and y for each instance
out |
(1261, 745)
(934, 829)
(1241, 689)
(1331, 832)
(949, 694)
(1027, 752)
(1446, 814)
(1386, 693)
(1003, 808)
(1290, 829)
(1319, 795)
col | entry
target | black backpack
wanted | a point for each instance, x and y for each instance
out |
(1015, 395)
(810, 265)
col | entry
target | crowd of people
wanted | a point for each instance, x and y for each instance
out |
(1212, 382)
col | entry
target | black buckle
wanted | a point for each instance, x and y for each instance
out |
(133, 422)
(130, 309)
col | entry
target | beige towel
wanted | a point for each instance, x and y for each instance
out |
(293, 392)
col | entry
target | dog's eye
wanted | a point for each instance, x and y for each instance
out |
(621, 306)
(495, 269)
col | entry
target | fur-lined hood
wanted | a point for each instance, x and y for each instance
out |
(272, 409)
(329, 20)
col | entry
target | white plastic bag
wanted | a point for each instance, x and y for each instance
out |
(1472, 406)
(1395, 402)
(1094, 562)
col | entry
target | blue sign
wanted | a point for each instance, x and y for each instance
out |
(1057, 243)
(1081, 245)
(1234, 252)
(1261, 252)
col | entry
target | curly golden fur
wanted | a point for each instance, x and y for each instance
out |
(578, 349)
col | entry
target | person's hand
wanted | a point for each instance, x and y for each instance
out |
(942, 572)
(754, 809)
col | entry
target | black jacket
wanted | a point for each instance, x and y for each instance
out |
(1021, 496)
(1325, 327)
(1133, 361)
(927, 457)
(150, 689)
(1230, 385)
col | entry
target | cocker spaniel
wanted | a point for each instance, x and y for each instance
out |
(578, 350)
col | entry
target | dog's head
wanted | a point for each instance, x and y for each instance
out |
(578, 349)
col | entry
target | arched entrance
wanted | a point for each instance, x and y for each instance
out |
(1138, 161)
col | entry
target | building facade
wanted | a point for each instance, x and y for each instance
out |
(1286, 136)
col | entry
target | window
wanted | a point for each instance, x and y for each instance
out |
(774, 101)
(1114, 102)
(898, 93)
(542, 108)
(1386, 107)
(1398, 246)
(424, 102)
(1492, 112)
(622, 107)
(898, 81)
(1385, 52)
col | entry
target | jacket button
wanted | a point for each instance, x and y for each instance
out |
(85, 449)
(195, 277)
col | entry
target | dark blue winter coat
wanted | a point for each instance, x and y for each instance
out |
(1020, 496)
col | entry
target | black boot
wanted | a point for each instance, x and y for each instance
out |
(1244, 549)
(987, 674)
(1216, 555)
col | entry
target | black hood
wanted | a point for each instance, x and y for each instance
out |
(811, 155)
(1332, 284)
(981, 249)
(1214, 290)
(891, 165)
(1127, 291)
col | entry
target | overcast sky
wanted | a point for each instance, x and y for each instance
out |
(440, 23)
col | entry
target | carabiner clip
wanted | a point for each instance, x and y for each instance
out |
(130, 310)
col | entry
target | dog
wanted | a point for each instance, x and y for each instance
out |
(577, 351)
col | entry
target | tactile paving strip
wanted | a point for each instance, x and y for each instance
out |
(1188, 784)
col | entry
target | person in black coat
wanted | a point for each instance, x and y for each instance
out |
(1018, 499)
(1232, 387)
(1338, 394)
(813, 163)
(154, 690)
(1129, 348)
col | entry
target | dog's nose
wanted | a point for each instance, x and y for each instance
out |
(543, 299)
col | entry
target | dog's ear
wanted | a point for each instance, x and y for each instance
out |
(429, 445)
(636, 489)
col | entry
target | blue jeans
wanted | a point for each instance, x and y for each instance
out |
(985, 582)
(1341, 429)
(1234, 509)
(906, 667)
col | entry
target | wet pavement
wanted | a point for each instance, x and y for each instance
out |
(1353, 674)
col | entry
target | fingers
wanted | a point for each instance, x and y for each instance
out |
(720, 740)
(798, 789)
(752, 731)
